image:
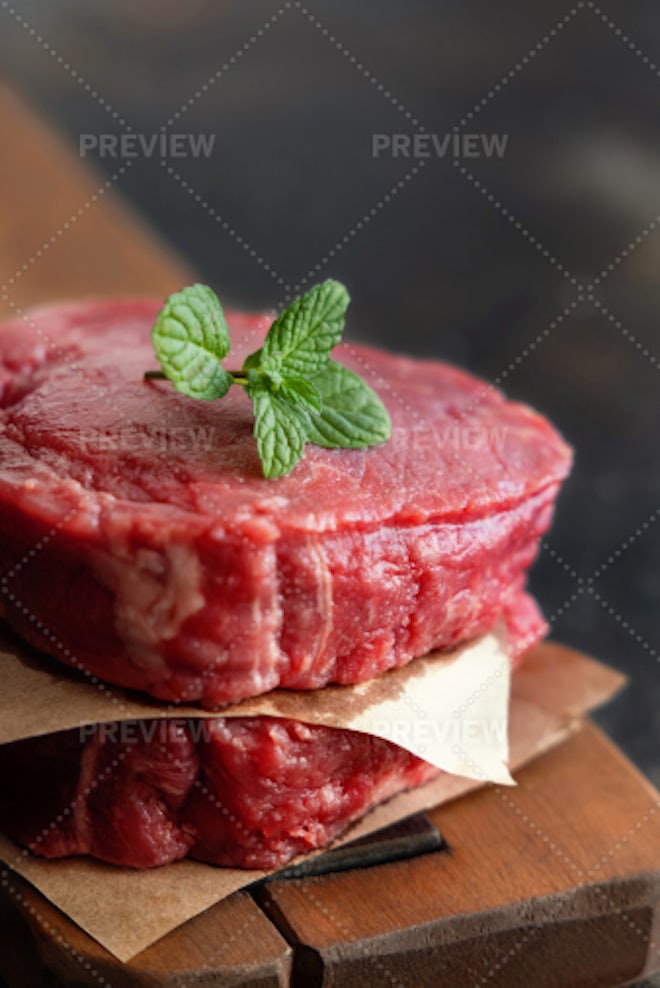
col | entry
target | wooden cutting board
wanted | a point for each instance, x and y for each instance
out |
(555, 884)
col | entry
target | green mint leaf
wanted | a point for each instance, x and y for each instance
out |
(253, 361)
(190, 339)
(301, 338)
(279, 428)
(299, 391)
(351, 415)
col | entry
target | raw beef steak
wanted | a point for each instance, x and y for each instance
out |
(141, 544)
(249, 792)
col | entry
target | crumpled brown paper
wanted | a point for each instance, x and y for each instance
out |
(128, 910)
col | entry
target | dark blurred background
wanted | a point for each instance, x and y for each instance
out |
(538, 268)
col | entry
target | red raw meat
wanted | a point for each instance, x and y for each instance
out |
(144, 547)
(249, 792)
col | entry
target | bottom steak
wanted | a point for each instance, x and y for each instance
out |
(249, 792)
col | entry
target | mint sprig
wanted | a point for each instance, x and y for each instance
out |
(298, 394)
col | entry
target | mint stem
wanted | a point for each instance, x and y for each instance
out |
(240, 377)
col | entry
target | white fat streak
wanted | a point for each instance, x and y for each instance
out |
(156, 590)
(267, 616)
(325, 600)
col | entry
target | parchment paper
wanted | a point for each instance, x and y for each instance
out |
(127, 910)
(449, 708)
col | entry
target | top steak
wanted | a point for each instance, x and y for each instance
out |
(141, 544)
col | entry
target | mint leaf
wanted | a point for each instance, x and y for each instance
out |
(253, 361)
(351, 415)
(301, 338)
(300, 392)
(280, 430)
(190, 339)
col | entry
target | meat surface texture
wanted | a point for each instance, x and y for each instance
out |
(243, 792)
(142, 545)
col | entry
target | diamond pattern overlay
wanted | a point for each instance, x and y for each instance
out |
(537, 268)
